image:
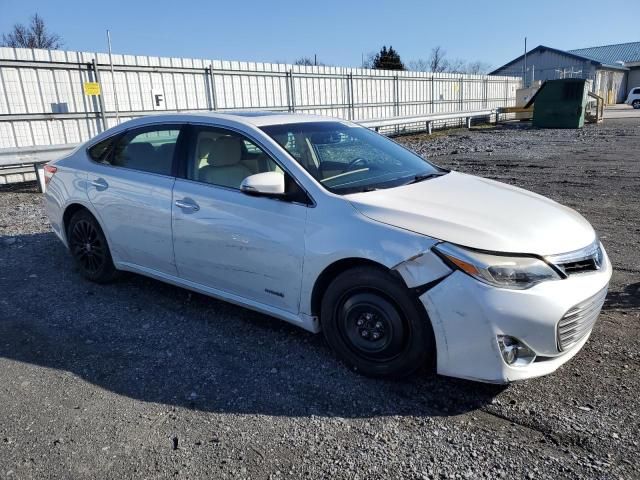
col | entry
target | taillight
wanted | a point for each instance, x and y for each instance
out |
(49, 172)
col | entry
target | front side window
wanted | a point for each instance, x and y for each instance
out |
(225, 158)
(149, 150)
(346, 158)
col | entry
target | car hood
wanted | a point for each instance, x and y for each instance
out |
(478, 213)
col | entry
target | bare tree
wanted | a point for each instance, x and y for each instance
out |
(308, 61)
(419, 65)
(368, 60)
(477, 68)
(456, 66)
(34, 35)
(437, 61)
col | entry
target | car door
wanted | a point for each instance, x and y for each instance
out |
(243, 245)
(130, 185)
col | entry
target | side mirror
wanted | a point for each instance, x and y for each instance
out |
(266, 184)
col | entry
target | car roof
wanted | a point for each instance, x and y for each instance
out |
(256, 118)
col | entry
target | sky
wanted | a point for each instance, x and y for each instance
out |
(339, 32)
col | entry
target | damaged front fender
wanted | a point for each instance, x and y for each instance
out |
(421, 269)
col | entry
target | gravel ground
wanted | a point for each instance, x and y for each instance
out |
(142, 379)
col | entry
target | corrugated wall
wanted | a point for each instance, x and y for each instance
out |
(42, 100)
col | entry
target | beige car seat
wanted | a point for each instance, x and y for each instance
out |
(224, 165)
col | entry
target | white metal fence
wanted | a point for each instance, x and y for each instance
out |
(44, 109)
(42, 101)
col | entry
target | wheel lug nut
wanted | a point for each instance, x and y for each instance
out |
(368, 316)
(364, 333)
(360, 322)
(376, 335)
(378, 324)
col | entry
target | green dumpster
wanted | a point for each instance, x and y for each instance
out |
(560, 104)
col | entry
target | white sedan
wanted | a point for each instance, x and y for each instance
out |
(334, 228)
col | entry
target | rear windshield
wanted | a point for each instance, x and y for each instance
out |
(347, 158)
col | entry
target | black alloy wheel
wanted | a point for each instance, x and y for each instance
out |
(89, 249)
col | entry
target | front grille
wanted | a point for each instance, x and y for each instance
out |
(579, 320)
(578, 267)
(586, 259)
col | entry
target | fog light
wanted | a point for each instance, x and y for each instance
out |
(514, 352)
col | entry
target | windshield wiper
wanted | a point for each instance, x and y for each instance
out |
(425, 176)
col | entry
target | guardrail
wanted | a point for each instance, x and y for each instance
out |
(428, 120)
(24, 164)
(14, 157)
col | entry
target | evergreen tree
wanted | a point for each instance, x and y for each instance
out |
(387, 60)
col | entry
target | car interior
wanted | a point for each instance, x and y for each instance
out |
(153, 155)
(226, 160)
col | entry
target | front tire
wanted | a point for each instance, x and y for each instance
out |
(375, 324)
(89, 248)
(635, 104)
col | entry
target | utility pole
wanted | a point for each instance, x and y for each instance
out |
(524, 73)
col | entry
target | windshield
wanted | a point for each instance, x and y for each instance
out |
(346, 158)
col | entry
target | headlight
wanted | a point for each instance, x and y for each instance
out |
(498, 270)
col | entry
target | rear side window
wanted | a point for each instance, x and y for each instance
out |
(99, 151)
(636, 91)
(148, 150)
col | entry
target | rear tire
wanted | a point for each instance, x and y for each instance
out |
(635, 104)
(89, 248)
(375, 324)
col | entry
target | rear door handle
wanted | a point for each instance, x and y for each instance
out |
(186, 204)
(100, 183)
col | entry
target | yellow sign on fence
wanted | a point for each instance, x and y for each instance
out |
(91, 88)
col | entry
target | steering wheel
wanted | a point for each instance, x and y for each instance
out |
(356, 162)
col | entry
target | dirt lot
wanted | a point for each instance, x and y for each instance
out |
(141, 379)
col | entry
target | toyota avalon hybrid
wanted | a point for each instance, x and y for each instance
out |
(335, 228)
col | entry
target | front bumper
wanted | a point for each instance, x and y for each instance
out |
(467, 316)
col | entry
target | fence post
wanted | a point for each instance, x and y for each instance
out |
(101, 96)
(213, 104)
(291, 90)
(352, 112)
(506, 92)
(286, 83)
(396, 96)
(486, 92)
(433, 94)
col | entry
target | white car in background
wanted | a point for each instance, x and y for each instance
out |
(334, 228)
(633, 98)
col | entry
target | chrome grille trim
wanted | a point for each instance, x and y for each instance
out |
(579, 320)
(587, 259)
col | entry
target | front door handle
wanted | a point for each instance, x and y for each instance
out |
(187, 205)
(100, 183)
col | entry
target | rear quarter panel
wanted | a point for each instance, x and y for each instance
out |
(68, 186)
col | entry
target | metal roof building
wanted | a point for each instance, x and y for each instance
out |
(627, 53)
(613, 69)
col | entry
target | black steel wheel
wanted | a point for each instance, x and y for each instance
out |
(89, 249)
(635, 104)
(375, 324)
(371, 325)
